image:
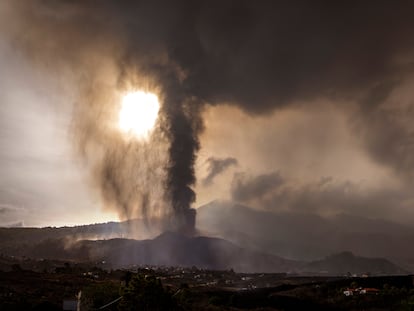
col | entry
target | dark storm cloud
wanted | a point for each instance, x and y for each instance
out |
(216, 167)
(266, 54)
(255, 54)
(258, 55)
(385, 126)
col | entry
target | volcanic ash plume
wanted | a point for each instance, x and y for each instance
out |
(147, 178)
(183, 124)
(99, 62)
(243, 53)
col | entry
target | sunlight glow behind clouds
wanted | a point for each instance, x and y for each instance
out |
(139, 113)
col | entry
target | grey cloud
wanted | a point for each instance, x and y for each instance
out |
(245, 188)
(7, 208)
(386, 130)
(216, 167)
(324, 196)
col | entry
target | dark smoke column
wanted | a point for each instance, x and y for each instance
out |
(182, 127)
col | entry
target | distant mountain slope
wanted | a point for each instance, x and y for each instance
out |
(168, 249)
(246, 240)
(133, 228)
(345, 262)
(172, 249)
(308, 237)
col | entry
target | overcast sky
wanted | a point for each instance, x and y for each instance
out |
(291, 106)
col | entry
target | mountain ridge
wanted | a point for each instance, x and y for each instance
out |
(175, 249)
(309, 237)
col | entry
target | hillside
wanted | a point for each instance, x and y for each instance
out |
(308, 237)
(168, 249)
(171, 249)
(346, 262)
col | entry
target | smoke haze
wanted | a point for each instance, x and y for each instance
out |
(293, 105)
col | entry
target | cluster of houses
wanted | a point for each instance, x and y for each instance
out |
(361, 291)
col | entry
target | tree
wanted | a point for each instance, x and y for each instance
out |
(146, 293)
(98, 294)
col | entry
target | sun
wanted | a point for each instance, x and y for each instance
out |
(139, 112)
